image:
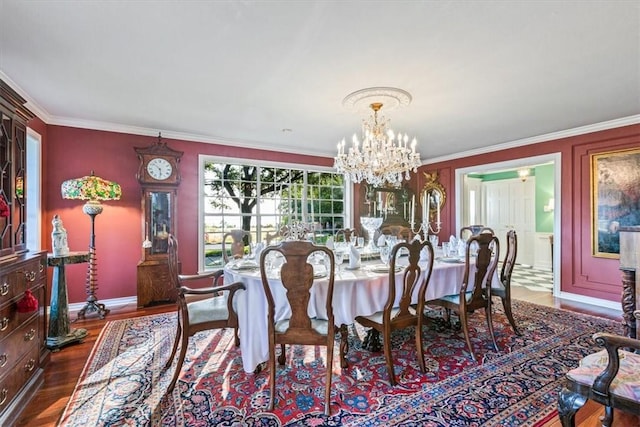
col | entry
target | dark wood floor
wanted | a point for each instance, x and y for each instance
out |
(66, 365)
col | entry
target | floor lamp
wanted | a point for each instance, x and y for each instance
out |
(93, 189)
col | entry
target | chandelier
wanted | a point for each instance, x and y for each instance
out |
(382, 157)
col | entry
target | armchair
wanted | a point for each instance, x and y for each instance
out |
(610, 377)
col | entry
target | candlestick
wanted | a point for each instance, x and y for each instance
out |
(412, 208)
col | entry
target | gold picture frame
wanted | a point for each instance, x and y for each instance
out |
(615, 198)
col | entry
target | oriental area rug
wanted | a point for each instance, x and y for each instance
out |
(124, 383)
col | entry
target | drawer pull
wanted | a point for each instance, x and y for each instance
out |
(30, 335)
(40, 268)
(3, 360)
(4, 323)
(30, 365)
(30, 276)
(3, 396)
(4, 289)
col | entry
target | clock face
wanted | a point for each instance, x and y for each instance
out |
(159, 168)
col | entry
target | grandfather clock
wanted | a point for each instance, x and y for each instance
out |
(159, 179)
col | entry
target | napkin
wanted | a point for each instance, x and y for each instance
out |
(382, 240)
(462, 248)
(329, 243)
(354, 257)
(453, 241)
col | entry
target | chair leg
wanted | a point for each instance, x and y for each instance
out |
(236, 336)
(344, 346)
(175, 346)
(329, 373)
(465, 330)
(568, 404)
(283, 357)
(387, 357)
(487, 311)
(506, 303)
(607, 418)
(183, 351)
(419, 347)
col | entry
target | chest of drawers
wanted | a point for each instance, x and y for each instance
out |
(23, 354)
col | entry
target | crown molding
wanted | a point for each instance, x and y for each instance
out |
(32, 105)
(624, 121)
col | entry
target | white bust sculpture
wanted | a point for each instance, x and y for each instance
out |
(59, 238)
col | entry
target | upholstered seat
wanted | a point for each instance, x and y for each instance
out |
(610, 377)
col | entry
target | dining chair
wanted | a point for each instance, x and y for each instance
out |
(399, 231)
(608, 377)
(297, 275)
(404, 313)
(346, 234)
(503, 290)
(475, 292)
(199, 309)
(471, 230)
(239, 239)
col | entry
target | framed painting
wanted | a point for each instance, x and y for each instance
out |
(615, 198)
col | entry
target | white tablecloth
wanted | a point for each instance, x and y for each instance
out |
(356, 293)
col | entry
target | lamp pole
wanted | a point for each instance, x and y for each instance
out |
(92, 208)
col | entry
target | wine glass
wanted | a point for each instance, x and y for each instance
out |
(385, 251)
(339, 258)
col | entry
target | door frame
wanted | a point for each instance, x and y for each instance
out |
(556, 159)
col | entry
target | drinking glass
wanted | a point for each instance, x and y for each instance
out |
(385, 251)
(445, 249)
(433, 238)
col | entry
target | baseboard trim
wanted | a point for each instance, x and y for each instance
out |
(614, 305)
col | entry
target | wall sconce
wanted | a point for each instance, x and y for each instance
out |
(93, 189)
(550, 206)
(523, 174)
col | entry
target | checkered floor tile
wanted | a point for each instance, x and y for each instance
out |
(532, 279)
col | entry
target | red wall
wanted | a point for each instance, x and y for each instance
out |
(71, 153)
(581, 272)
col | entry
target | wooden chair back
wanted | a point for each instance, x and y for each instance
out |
(345, 234)
(504, 291)
(239, 239)
(297, 278)
(405, 313)
(399, 231)
(472, 230)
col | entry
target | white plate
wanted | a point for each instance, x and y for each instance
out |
(452, 260)
(381, 268)
(245, 266)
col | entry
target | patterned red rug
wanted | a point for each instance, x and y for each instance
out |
(123, 382)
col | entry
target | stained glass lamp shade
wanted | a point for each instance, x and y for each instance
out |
(93, 189)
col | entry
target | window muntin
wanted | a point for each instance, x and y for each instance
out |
(262, 198)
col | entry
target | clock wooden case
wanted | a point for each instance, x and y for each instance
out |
(159, 178)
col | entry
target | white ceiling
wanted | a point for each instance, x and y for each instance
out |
(481, 73)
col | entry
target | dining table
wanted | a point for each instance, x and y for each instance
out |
(357, 292)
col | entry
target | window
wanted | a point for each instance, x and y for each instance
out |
(239, 194)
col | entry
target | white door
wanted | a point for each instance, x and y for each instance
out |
(511, 206)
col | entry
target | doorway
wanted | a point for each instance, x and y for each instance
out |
(502, 195)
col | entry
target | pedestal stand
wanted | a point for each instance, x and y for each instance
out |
(60, 332)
